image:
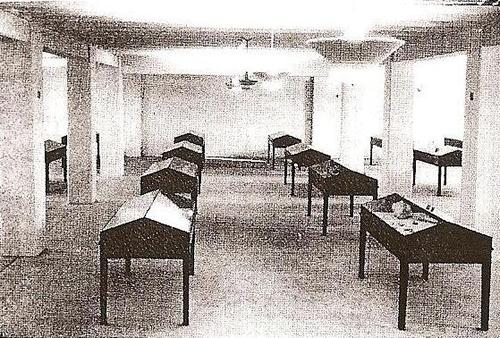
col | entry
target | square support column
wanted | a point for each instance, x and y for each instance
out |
(398, 128)
(308, 111)
(110, 119)
(22, 168)
(481, 158)
(81, 150)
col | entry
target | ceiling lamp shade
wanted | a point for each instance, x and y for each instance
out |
(369, 50)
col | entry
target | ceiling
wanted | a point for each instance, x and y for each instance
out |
(218, 23)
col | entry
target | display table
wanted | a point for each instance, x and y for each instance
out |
(331, 178)
(444, 156)
(448, 141)
(147, 226)
(193, 137)
(279, 140)
(189, 152)
(423, 238)
(53, 152)
(172, 176)
(304, 156)
(374, 141)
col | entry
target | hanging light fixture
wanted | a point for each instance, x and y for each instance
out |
(367, 50)
(246, 82)
(355, 46)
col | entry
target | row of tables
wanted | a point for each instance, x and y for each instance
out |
(423, 238)
(160, 223)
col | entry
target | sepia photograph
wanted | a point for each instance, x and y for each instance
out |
(250, 168)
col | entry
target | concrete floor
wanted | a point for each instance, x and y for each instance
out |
(262, 269)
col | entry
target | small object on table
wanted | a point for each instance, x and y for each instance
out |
(401, 210)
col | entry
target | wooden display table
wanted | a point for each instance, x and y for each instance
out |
(148, 226)
(304, 156)
(172, 176)
(193, 137)
(424, 238)
(331, 178)
(374, 141)
(189, 152)
(445, 156)
(53, 152)
(279, 140)
(448, 141)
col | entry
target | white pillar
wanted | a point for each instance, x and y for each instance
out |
(22, 165)
(481, 157)
(397, 139)
(351, 134)
(471, 130)
(308, 111)
(110, 119)
(81, 130)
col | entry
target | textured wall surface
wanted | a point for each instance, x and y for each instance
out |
(234, 123)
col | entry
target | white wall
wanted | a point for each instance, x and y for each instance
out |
(328, 103)
(439, 99)
(326, 118)
(132, 97)
(55, 97)
(235, 123)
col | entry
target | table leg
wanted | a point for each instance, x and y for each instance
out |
(444, 174)
(199, 179)
(414, 170)
(425, 271)
(185, 291)
(485, 294)
(403, 294)
(194, 199)
(362, 250)
(98, 157)
(273, 158)
(103, 288)
(439, 181)
(268, 151)
(191, 272)
(292, 193)
(128, 264)
(47, 177)
(286, 168)
(309, 192)
(351, 206)
(325, 213)
(64, 161)
(371, 153)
